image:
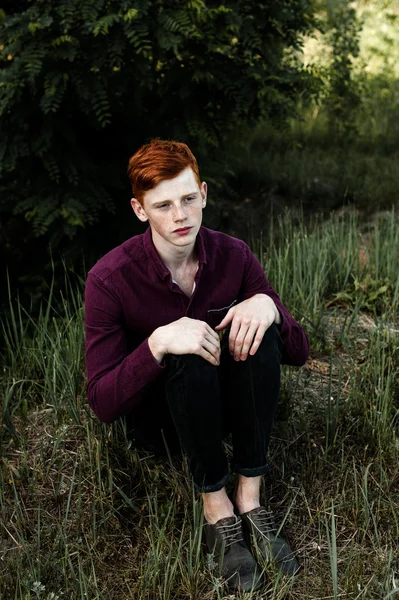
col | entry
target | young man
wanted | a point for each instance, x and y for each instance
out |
(184, 337)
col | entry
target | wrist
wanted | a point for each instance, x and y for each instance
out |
(158, 349)
(277, 318)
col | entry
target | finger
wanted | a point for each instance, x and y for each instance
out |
(235, 328)
(211, 349)
(227, 319)
(206, 332)
(211, 333)
(248, 340)
(240, 337)
(258, 339)
(207, 351)
(207, 356)
(212, 340)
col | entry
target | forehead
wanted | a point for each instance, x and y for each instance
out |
(173, 189)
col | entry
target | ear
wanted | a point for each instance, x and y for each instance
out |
(139, 210)
(204, 193)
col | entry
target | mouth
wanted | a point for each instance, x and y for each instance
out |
(182, 230)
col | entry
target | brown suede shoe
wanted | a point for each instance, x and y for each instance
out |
(261, 533)
(225, 540)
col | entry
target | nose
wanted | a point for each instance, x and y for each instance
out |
(179, 213)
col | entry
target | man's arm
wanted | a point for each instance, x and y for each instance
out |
(116, 378)
(295, 341)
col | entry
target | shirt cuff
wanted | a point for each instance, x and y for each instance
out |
(149, 366)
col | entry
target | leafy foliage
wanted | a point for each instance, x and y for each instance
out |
(344, 97)
(341, 25)
(83, 83)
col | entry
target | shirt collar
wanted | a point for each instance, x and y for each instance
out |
(156, 260)
(200, 246)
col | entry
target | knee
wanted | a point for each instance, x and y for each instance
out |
(189, 363)
(271, 345)
(272, 333)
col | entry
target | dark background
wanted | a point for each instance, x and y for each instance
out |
(290, 104)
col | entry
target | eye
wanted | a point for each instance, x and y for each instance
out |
(163, 206)
(190, 198)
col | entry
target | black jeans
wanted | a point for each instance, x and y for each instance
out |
(198, 405)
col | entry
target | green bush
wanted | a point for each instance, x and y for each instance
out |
(83, 84)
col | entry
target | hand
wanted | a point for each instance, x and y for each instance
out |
(249, 320)
(186, 336)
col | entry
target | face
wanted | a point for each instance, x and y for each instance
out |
(174, 210)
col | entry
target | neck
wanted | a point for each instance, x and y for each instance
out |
(174, 257)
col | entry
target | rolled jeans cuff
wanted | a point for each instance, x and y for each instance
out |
(215, 487)
(252, 472)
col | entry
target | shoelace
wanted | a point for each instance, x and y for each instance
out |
(265, 524)
(263, 521)
(231, 534)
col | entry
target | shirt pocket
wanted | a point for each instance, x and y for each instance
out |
(214, 316)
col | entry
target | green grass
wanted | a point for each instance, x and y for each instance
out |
(83, 516)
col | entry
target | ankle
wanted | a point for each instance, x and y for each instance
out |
(244, 505)
(217, 505)
(247, 493)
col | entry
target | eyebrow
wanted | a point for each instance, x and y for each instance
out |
(168, 200)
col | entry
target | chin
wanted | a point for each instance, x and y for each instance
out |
(183, 242)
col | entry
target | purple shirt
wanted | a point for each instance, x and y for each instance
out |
(130, 293)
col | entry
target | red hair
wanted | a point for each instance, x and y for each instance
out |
(156, 161)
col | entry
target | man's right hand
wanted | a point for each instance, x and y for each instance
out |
(186, 336)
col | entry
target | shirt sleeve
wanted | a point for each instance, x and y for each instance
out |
(295, 341)
(116, 377)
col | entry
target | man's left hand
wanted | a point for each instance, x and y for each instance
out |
(249, 321)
